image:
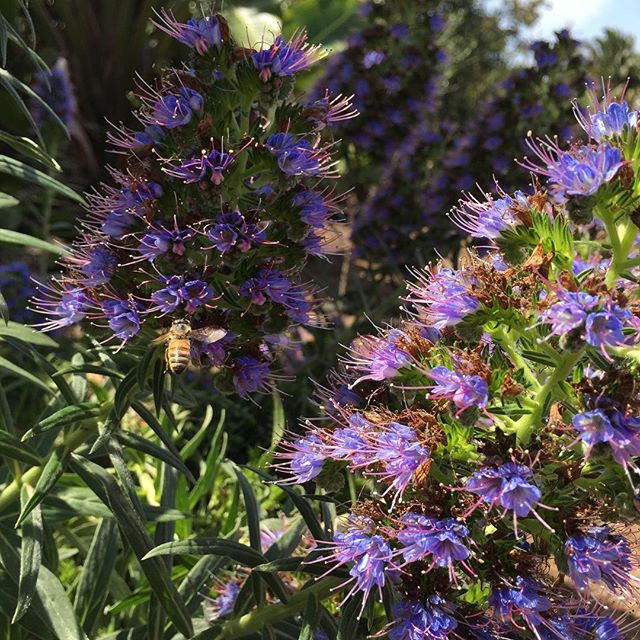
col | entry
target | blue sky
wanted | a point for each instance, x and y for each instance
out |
(588, 18)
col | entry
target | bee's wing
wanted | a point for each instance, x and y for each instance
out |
(161, 338)
(208, 335)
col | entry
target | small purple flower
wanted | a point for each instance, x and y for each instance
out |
(490, 218)
(314, 210)
(599, 556)
(463, 390)
(432, 620)
(593, 426)
(97, 264)
(510, 486)
(285, 58)
(378, 358)
(195, 293)
(200, 35)
(522, 599)
(196, 168)
(610, 118)
(168, 298)
(161, 240)
(443, 298)
(232, 230)
(222, 605)
(368, 554)
(61, 304)
(303, 458)
(442, 541)
(128, 140)
(399, 453)
(580, 171)
(604, 328)
(250, 375)
(373, 59)
(175, 110)
(296, 156)
(570, 312)
(123, 317)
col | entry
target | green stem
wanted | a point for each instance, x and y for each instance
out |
(267, 615)
(502, 338)
(11, 492)
(529, 423)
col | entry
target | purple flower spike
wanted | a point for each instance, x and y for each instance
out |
(599, 556)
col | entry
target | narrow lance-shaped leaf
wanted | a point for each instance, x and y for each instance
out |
(22, 171)
(30, 557)
(134, 531)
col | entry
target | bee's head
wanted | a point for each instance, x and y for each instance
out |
(181, 327)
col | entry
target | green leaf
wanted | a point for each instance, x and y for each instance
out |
(52, 471)
(30, 557)
(124, 392)
(49, 601)
(251, 507)
(12, 85)
(210, 547)
(4, 309)
(12, 448)
(22, 171)
(100, 562)
(158, 429)
(29, 148)
(62, 418)
(22, 373)
(134, 531)
(14, 237)
(7, 201)
(207, 480)
(158, 385)
(27, 334)
(310, 619)
(139, 443)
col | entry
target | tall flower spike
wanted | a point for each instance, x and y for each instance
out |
(199, 226)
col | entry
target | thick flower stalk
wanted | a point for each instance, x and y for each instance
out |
(490, 440)
(219, 197)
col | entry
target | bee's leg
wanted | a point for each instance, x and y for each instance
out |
(166, 360)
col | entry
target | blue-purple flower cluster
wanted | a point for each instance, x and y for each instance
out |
(54, 87)
(219, 199)
(491, 438)
(421, 179)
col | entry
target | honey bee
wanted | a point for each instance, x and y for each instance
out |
(179, 340)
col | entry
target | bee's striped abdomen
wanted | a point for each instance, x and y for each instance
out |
(178, 355)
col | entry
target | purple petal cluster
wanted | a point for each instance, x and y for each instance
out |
(599, 555)
(463, 390)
